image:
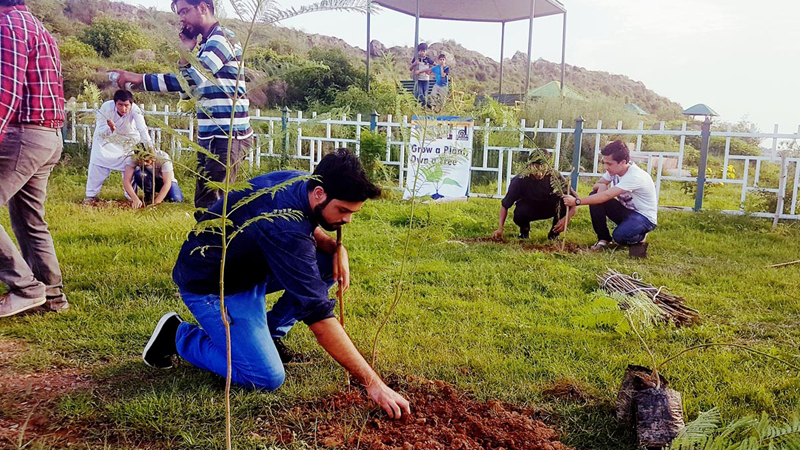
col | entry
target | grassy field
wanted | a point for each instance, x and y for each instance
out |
(495, 320)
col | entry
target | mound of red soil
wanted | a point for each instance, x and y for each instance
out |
(441, 418)
(550, 247)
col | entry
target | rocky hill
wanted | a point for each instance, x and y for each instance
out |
(473, 71)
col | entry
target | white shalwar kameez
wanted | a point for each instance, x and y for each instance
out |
(111, 150)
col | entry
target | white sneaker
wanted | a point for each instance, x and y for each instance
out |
(11, 303)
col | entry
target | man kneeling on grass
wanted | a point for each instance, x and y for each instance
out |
(151, 170)
(626, 195)
(289, 254)
(535, 198)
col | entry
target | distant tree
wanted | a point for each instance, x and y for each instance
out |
(322, 85)
(110, 36)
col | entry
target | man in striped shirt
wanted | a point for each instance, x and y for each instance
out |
(219, 85)
(31, 115)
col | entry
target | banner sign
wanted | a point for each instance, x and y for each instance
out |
(439, 157)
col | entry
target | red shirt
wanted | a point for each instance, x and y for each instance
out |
(31, 88)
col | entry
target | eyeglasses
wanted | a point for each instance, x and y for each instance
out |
(185, 11)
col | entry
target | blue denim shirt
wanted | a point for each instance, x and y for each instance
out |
(283, 248)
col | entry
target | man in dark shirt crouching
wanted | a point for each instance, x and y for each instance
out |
(289, 254)
(535, 198)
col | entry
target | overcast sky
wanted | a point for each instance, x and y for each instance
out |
(739, 57)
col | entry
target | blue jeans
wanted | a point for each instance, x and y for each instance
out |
(421, 91)
(255, 362)
(632, 227)
(144, 179)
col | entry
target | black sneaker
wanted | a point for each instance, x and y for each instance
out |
(552, 235)
(161, 347)
(287, 355)
(524, 234)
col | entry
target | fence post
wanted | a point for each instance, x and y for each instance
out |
(705, 135)
(781, 190)
(284, 126)
(576, 153)
(373, 120)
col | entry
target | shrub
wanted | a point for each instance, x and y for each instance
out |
(373, 148)
(110, 36)
(381, 98)
(71, 48)
(323, 85)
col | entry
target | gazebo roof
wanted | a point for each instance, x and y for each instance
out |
(553, 90)
(475, 10)
(700, 110)
(634, 108)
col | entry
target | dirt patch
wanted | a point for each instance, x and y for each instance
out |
(441, 418)
(570, 390)
(28, 399)
(549, 247)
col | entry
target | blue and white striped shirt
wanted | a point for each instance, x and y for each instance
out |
(219, 55)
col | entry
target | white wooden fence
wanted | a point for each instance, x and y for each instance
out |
(492, 159)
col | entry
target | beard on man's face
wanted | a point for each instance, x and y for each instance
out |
(321, 219)
(190, 31)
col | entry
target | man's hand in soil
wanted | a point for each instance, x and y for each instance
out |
(559, 226)
(136, 203)
(332, 337)
(498, 235)
(393, 403)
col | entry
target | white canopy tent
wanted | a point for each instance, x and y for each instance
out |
(480, 11)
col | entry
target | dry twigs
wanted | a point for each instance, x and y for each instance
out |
(672, 306)
(785, 264)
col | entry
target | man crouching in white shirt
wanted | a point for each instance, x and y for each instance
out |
(626, 195)
(119, 127)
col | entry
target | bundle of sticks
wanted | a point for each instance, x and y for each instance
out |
(673, 307)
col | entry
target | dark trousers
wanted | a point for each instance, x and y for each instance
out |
(211, 170)
(27, 156)
(421, 91)
(632, 227)
(525, 213)
(143, 178)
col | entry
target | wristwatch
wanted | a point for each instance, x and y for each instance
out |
(577, 201)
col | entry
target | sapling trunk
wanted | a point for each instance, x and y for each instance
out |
(340, 295)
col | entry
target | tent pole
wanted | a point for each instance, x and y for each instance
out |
(563, 50)
(416, 44)
(369, 49)
(416, 29)
(502, 45)
(530, 47)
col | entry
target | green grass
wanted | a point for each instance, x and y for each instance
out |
(495, 320)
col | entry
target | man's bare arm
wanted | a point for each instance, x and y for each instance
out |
(332, 337)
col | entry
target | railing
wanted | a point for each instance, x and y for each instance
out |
(310, 143)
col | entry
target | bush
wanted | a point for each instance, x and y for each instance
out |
(323, 85)
(71, 48)
(110, 36)
(652, 143)
(381, 98)
(373, 148)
